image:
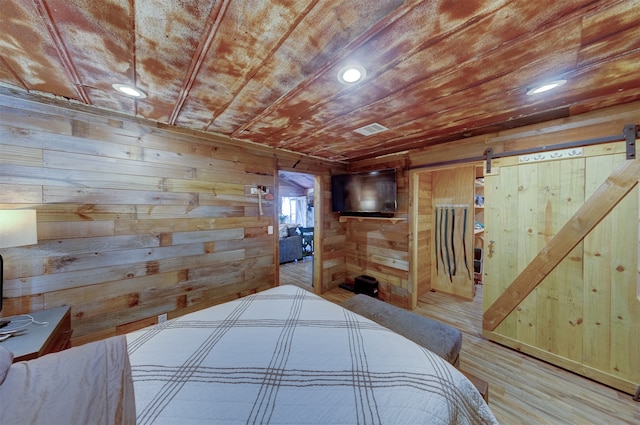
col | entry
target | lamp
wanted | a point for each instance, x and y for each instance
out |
(17, 228)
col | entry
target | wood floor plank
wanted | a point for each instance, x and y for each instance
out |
(299, 273)
(523, 390)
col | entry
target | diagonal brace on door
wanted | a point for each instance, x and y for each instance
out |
(604, 199)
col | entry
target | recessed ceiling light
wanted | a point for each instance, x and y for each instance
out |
(351, 74)
(129, 90)
(549, 85)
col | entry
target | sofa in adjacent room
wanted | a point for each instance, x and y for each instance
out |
(290, 243)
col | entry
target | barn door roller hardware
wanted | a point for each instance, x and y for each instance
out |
(630, 133)
(488, 155)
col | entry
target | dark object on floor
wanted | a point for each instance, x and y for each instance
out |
(366, 285)
(481, 385)
(348, 286)
(438, 337)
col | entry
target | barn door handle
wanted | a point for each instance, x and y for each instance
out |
(491, 244)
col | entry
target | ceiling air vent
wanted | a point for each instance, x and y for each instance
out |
(370, 129)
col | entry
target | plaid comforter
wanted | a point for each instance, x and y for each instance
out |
(287, 356)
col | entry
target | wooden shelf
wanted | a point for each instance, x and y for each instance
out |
(478, 233)
(392, 220)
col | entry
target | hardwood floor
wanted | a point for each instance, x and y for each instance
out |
(522, 389)
(299, 273)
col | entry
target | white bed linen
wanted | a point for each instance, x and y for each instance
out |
(287, 356)
(90, 384)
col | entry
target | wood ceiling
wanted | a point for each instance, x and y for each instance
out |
(301, 180)
(265, 71)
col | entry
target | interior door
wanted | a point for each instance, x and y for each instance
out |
(585, 314)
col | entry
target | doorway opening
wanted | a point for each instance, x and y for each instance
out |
(297, 228)
(447, 249)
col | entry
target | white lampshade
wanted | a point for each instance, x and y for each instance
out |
(18, 228)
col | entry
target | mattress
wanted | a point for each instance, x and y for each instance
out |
(287, 356)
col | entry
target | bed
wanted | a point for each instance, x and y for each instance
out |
(287, 356)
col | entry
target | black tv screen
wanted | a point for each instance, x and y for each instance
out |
(366, 194)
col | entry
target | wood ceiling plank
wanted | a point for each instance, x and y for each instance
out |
(244, 40)
(407, 66)
(170, 40)
(265, 71)
(29, 52)
(248, 77)
(213, 23)
(347, 50)
(95, 41)
(456, 114)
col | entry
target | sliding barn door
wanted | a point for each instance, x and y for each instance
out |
(585, 314)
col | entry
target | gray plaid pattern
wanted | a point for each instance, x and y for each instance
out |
(286, 356)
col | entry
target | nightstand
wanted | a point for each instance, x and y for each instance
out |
(39, 339)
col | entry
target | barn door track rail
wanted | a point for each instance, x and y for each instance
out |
(630, 133)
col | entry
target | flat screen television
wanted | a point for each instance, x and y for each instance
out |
(365, 194)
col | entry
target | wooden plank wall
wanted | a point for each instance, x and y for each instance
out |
(334, 237)
(380, 248)
(134, 220)
(423, 237)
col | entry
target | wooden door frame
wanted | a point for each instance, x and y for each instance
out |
(414, 223)
(317, 235)
(413, 215)
(316, 278)
(414, 185)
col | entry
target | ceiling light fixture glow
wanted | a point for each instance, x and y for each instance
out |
(351, 74)
(129, 90)
(541, 88)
